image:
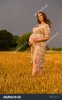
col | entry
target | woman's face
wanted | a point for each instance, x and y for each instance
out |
(40, 17)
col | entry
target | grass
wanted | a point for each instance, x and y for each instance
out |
(16, 78)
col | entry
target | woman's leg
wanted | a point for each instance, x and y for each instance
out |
(34, 72)
(37, 70)
(40, 70)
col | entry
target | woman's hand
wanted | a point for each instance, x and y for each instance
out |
(40, 40)
(37, 40)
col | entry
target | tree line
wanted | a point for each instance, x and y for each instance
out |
(9, 42)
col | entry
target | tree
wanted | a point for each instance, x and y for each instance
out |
(14, 41)
(23, 41)
(6, 40)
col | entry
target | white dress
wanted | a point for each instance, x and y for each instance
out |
(38, 48)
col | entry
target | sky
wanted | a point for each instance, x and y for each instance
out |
(17, 16)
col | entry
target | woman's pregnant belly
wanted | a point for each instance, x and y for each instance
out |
(35, 36)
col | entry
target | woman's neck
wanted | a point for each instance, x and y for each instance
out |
(42, 22)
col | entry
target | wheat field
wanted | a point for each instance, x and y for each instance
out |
(16, 70)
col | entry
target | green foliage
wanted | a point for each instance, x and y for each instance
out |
(14, 41)
(23, 41)
(23, 38)
(57, 49)
(6, 40)
(54, 49)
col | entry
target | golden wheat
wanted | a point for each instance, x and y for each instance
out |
(16, 69)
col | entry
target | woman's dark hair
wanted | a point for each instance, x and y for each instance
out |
(46, 20)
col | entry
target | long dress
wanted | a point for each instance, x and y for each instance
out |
(38, 48)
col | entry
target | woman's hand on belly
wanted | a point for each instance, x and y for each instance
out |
(35, 40)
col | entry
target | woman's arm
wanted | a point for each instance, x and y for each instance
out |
(42, 39)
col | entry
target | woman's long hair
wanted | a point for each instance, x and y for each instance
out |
(46, 20)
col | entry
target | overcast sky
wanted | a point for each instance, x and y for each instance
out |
(17, 16)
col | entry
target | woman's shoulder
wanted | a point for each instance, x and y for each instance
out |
(46, 26)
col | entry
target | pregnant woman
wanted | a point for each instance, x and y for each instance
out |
(40, 34)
